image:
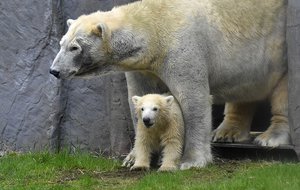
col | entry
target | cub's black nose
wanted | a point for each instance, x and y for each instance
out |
(147, 122)
(54, 73)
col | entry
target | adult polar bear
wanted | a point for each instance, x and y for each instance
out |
(234, 50)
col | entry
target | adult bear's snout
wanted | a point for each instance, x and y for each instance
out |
(54, 73)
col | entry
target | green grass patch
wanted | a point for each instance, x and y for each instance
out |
(52, 171)
(246, 176)
(85, 171)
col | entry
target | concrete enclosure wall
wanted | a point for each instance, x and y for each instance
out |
(38, 111)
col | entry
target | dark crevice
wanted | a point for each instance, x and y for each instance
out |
(58, 119)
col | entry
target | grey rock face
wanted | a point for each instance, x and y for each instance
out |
(38, 111)
(28, 95)
(293, 41)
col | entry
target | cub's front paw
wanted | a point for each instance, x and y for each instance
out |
(129, 160)
(139, 168)
(167, 168)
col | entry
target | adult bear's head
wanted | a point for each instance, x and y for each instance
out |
(96, 44)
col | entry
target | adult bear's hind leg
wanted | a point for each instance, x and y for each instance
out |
(236, 124)
(279, 132)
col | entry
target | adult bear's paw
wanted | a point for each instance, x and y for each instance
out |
(196, 162)
(277, 134)
(230, 133)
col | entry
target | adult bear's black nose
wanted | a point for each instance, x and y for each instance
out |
(55, 73)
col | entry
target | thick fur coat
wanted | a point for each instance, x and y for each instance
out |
(160, 128)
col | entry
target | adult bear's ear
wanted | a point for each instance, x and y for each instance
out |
(69, 22)
(102, 31)
(169, 99)
(135, 99)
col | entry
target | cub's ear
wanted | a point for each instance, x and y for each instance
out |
(102, 31)
(135, 99)
(169, 99)
(69, 22)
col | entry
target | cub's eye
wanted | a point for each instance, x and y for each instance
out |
(73, 48)
(155, 109)
(142, 109)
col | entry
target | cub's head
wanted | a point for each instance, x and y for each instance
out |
(152, 109)
(96, 44)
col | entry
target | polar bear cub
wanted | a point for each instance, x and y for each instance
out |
(160, 128)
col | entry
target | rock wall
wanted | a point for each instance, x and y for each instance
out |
(38, 111)
(293, 41)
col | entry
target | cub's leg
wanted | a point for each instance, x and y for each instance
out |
(142, 151)
(140, 83)
(278, 132)
(171, 155)
(236, 124)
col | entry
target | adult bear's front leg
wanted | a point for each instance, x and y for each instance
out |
(188, 82)
(278, 132)
(197, 118)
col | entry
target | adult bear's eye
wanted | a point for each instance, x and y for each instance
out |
(73, 48)
(155, 109)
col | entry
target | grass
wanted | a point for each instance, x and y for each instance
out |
(52, 171)
(85, 171)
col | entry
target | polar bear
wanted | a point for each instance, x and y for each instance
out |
(233, 50)
(160, 127)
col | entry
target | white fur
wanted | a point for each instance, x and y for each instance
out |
(166, 133)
